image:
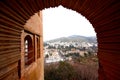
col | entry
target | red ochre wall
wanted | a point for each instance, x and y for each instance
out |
(33, 27)
(104, 15)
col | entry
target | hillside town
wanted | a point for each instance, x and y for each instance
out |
(55, 51)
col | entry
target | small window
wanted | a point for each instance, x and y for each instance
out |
(38, 47)
(29, 51)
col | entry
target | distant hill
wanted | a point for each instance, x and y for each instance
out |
(75, 38)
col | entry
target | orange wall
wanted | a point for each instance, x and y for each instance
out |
(34, 71)
(34, 24)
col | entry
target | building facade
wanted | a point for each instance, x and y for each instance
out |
(31, 66)
(24, 60)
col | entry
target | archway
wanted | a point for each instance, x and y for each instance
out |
(29, 50)
(103, 14)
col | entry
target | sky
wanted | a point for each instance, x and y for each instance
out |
(61, 22)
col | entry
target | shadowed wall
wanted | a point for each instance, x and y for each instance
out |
(103, 15)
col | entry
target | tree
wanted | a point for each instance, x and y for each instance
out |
(46, 56)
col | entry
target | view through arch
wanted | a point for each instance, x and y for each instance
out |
(69, 41)
(104, 15)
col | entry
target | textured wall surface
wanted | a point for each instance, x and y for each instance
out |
(104, 15)
(33, 27)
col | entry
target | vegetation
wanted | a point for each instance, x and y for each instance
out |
(72, 55)
(79, 69)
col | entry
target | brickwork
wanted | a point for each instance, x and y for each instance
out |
(17, 15)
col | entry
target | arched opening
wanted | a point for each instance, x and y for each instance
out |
(64, 33)
(104, 16)
(29, 50)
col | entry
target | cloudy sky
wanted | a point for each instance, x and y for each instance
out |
(62, 22)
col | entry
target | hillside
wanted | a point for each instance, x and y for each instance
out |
(75, 38)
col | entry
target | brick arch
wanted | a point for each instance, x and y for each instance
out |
(103, 14)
